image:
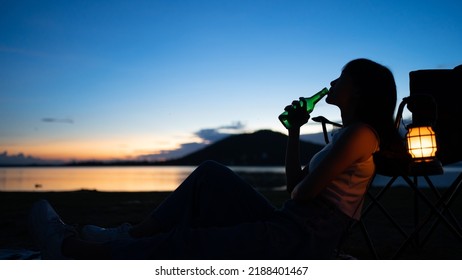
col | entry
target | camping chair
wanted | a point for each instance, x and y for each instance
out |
(443, 85)
(444, 88)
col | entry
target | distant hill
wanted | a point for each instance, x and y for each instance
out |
(23, 160)
(261, 148)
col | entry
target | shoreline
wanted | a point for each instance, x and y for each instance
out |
(114, 208)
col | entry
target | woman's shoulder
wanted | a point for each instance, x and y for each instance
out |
(362, 134)
(356, 142)
(360, 129)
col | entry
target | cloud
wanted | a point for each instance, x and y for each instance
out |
(210, 135)
(207, 136)
(56, 120)
(234, 126)
(184, 150)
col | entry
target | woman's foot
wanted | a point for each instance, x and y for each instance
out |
(99, 234)
(48, 230)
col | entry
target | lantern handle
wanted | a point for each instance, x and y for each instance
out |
(399, 114)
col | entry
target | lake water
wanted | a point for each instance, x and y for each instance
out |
(149, 178)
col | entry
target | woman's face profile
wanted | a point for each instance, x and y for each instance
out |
(342, 91)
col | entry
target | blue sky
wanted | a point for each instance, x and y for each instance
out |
(124, 79)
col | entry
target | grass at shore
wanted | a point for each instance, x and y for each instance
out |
(113, 208)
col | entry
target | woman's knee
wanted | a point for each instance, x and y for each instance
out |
(216, 175)
(211, 166)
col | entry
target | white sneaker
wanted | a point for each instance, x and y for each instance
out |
(48, 230)
(99, 234)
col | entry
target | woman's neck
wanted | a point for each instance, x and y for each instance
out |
(348, 118)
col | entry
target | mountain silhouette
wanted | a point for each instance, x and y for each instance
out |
(261, 148)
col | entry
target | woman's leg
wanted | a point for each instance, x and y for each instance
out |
(212, 195)
(243, 241)
(76, 248)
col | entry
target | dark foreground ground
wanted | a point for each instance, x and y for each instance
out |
(110, 209)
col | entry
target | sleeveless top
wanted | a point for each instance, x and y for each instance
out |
(348, 189)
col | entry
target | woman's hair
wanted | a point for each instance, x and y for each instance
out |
(377, 97)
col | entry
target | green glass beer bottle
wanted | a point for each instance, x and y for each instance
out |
(305, 102)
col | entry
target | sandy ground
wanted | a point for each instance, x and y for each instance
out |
(110, 209)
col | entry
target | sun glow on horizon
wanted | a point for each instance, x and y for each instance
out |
(131, 148)
(91, 149)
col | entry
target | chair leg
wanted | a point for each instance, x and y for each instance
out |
(368, 240)
(452, 192)
(375, 202)
(433, 207)
(388, 216)
(443, 201)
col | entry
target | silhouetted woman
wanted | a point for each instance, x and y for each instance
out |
(214, 214)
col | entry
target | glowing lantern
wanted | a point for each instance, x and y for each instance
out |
(421, 142)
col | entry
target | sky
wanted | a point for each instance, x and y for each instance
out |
(103, 80)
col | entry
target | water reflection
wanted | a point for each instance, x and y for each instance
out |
(149, 178)
(92, 178)
(165, 178)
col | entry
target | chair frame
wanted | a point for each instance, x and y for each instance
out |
(438, 209)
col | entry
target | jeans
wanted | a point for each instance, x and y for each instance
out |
(214, 214)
